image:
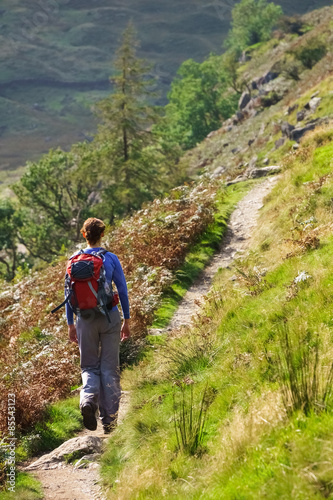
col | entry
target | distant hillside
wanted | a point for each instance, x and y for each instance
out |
(57, 56)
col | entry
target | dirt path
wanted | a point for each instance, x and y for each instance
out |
(242, 221)
(66, 482)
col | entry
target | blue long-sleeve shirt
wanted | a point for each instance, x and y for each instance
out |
(114, 272)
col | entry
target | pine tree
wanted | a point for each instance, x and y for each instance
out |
(131, 149)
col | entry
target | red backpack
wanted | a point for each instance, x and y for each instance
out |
(86, 286)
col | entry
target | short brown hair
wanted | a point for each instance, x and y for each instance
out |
(93, 228)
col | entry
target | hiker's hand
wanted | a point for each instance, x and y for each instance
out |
(125, 330)
(72, 333)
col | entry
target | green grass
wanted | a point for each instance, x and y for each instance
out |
(26, 488)
(200, 255)
(251, 447)
(62, 421)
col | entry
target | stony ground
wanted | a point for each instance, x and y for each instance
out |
(63, 481)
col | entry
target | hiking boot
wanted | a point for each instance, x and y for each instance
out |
(89, 417)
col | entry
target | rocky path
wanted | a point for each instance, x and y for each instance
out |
(242, 221)
(63, 481)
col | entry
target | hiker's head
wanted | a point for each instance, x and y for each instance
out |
(93, 230)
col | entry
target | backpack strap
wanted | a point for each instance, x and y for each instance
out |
(63, 303)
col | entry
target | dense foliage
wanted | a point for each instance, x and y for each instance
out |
(252, 22)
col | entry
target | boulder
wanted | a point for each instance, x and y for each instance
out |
(244, 100)
(84, 445)
(286, 129)
(236, 150)
(301, 115)
(298, 133)
(313, 104)
(264, 171)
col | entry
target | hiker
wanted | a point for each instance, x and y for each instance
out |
(98, 334)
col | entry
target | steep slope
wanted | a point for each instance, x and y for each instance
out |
(244, 316)
(56, 59)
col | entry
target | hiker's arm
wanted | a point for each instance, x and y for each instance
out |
(72, 333)
(71, 327)
(125, 330)
(120, 282)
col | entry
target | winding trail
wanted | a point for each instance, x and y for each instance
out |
(66, 482)
(242, 221)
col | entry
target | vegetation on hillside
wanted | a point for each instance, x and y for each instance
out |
(262, 348)
(134, 156)
(256, 368)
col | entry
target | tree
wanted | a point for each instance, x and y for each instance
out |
(132, 152)
(54, 200)
(199, 101)
(252, 22)
(9, 254)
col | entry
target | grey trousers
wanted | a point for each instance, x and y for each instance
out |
(99, 353)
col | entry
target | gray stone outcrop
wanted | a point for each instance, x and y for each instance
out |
(84, 445)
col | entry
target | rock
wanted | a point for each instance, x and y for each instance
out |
(301, 115)
(250, 142)
(266, 161)
(268, 77)
(239, 116)
(295, 146)
(240, 178)
(218, 171)
(280, 142)
(313, 104)
(244, 57)
(298, 133)
(86, 461)
(236, 150)
(286, 129)
(263, 172)
(291, 109)
(82, 445)
(225, 145)
(244, 100)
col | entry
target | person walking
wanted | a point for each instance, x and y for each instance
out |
(98, 337)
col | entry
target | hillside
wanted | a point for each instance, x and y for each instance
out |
(56, 59)
(258, 358)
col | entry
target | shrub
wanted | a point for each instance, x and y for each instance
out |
(291, 24)
(292, 70)
(190, 418)
(306, 380)
(311, 53)
(270, 99)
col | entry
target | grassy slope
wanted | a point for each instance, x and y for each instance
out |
(252, 449)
